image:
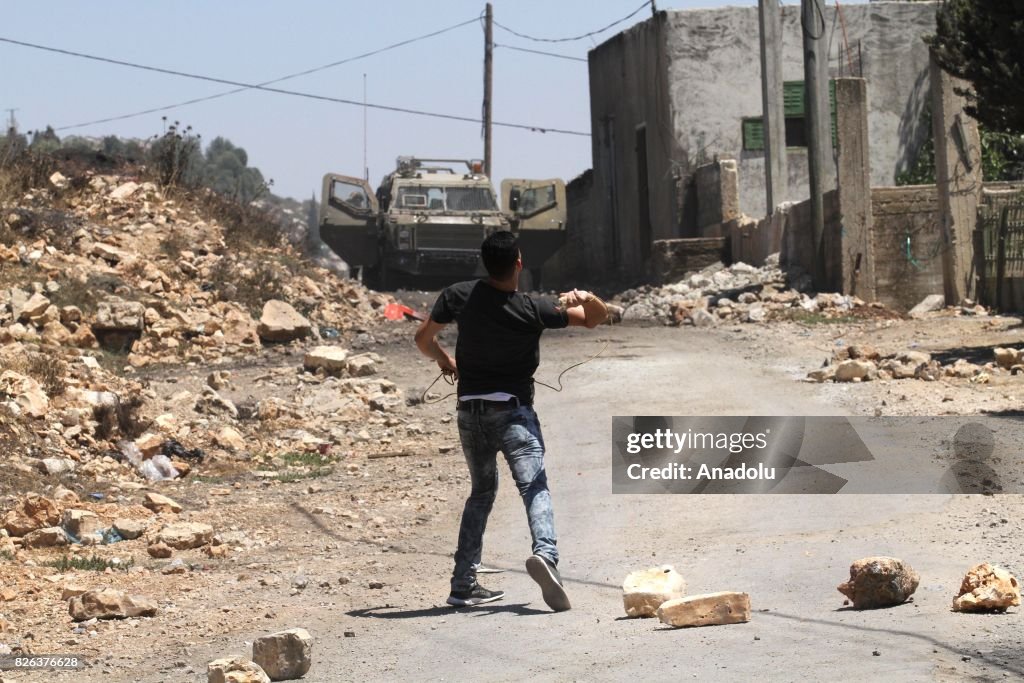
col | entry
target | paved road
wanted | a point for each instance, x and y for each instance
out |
(788, 552)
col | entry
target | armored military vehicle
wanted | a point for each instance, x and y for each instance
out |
(427, 220)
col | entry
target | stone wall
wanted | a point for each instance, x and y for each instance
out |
(907, 244)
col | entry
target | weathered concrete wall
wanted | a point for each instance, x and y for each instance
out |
(628, 93)
(907, 242)
(568, 267)
(714, 78)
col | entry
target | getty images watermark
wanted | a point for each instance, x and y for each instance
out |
(657, 454)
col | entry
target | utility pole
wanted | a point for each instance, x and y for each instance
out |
(772, 106)
(366, 168)
(812, 19)
(12, 124)
(488, 67)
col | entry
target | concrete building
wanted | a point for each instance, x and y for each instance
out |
(684, 88)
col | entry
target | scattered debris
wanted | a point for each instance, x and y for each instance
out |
(709, 609)
(645, 590)
(987, 588)
(284, 655)
(879, 582)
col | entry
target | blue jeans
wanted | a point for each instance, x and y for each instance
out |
(516, 433)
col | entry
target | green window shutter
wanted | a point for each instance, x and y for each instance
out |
(753, 134)
(793, 98)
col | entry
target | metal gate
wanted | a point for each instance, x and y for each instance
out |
(999, 255)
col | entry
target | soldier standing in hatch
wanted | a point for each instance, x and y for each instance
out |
(495, 357)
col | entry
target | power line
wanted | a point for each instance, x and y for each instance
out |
(579, 37)
(540, 52)
(294, 93)
(270, 82)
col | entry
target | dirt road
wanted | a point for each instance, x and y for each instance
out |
(788, 552)
(361, 557)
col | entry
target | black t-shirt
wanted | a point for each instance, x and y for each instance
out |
(499, 336)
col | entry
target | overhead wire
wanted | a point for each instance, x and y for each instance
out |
(294, 93)
(540, 52)
(297, 74)
(573, 38)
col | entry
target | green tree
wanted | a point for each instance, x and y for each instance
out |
(982, 41)
(45, 141)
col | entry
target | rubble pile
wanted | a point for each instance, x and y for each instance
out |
(864, 363)
(131, 280)
(740, 293)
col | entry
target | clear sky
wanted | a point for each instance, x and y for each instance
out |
(295, 140)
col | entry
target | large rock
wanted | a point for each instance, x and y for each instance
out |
(115, 314)
(643, 591)
(81, 523)
(855, 371)
(47, 537)
(231, 438)
(130, 529)
(111, 254)
(31, 512)
(709, 609)
(124, 190)
(284, 655)
(329, 358)
(879, 582)
(987, 588)
(361, 366)
(185, 535)
(28, 395)
(235, 670)
(107, 603)
(1007, 358)
(160, 503)
(281, 323)
(932, 302)
(35, 306)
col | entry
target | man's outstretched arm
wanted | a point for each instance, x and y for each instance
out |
(584, 308)
(426, 341)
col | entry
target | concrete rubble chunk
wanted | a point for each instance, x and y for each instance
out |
(111, 254)
(329, 358)
(47, 537)
(709, 609)
(81, 523)
(107, 603)
(115, 314)
(235, 670)
(35, 306)
(130, 529)
(282, 323)
(645, 590)
(1007, 358)
(987, 588)
(58, 180)
(931, 303)
(30, 513)
(149, 444)
(855, 370)
(28, 395)
(160, 503)
(185, 535)
(124, 190)
(879, 582)
(361, 366)
(230, 438)
(284, 655)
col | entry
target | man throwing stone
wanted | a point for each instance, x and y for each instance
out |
(496, 354)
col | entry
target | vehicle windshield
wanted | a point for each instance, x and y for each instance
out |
(424, 197)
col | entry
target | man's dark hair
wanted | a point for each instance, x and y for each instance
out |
(500, 251)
